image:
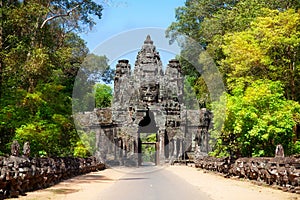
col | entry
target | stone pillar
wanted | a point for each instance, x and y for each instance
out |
(121, 146)
(180, 153)
(115, 147)
(109, 144)
(171, 148)
(160, 119)
(120, 151)
(100, 148)
(175, 148)
(131, 143)
(97, 131)
(161, 153)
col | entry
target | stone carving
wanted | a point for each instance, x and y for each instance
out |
(149, 92)
(205, 118)
(149, 100)
(282, 171)
(15, 148)
(175, 64)
(171, 123)
(279, 151)
(122, 68)
(26, 149)
(19, 175)
(148, 54)
(202, 136)
(104, 115)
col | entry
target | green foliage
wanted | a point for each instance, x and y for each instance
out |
(268, 49)
(258, 118)
(255, 45)
(103, 95)
(296, 147)
(97, 69)
(189, 97)
(208, 21)
(86, 146)
(40, 135)
(148, 151)
(87, 88)
(40, 54)
(80, 150)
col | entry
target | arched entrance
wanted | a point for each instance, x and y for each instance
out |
(148, 140)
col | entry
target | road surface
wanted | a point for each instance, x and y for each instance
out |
(152, 183)
(171, 182)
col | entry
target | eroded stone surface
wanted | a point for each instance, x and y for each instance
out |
(281, 172)
(148, 100)
(22, 174)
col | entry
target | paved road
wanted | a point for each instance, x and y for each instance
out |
(152, 183)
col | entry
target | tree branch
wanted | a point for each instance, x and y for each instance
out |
(59, 15)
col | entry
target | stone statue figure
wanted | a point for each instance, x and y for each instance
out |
(149, 92)
(279, 151)
(200, 137)
(26, 149)
(205, 118)
(15, 148)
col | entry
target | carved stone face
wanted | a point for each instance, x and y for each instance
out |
(171, 123)
(149, 92)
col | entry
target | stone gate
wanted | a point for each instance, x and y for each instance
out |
(148, 100)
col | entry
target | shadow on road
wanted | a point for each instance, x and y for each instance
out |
(131, 179)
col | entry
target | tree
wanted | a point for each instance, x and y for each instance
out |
(263, 54)
(257, 119)
(205, 22)
(39, 59)
(93, 70)
(86, 146)
(148, 151)
(103, 95)
(188, 20)
(189, 97)
(96, 68)
(208, 21)
(269, 49)
(262, 73)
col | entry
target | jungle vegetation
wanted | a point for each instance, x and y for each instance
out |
(255, 45)
(40, 55)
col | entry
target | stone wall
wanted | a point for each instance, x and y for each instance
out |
(280, 172)
(20, 174)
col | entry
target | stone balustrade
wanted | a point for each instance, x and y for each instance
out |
(280, 172)
(21, 174)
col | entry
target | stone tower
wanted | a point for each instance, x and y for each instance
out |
(148, 101)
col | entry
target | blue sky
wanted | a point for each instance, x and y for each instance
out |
(121, 16)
